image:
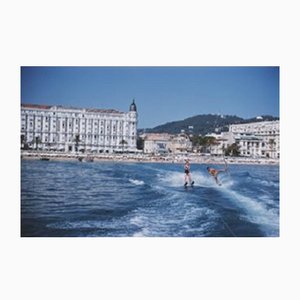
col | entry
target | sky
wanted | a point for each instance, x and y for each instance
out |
(162, 94)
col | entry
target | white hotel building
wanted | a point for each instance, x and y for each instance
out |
(66, 129)
(258, 139)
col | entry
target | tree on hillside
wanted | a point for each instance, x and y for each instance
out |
(204, 124)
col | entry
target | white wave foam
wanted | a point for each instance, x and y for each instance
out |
(137, 220)
(137, 182)
(176, 179)
(142, 222)
(149, 223)
(257, 212)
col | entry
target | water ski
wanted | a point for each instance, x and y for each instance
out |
(186, 184)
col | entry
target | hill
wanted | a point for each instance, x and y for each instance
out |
(204, 124)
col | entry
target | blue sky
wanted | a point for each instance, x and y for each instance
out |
(162, 94)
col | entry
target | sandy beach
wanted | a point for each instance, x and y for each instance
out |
(180, 158)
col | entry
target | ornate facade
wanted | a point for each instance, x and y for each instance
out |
(68, 129)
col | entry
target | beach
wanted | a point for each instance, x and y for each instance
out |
(194, 158)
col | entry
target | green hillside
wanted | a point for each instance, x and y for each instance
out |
(203, 124)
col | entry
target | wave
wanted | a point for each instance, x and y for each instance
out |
(257, 212)
(265, 182)
(136, 181)
(87, 224)
(175, 218)
(257, 180)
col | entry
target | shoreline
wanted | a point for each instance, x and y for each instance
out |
(143, 158)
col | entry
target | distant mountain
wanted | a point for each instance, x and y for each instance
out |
(204, 124)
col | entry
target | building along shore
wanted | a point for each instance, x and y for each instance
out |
(117, 157)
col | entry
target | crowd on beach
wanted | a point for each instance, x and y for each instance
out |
(141, 157)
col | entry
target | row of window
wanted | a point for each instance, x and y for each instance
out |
(89, 119)
(96, 124)
(70, 127)
(68, 114)
(82, 138)
(255, 131)
(89, 131)
(263, 153)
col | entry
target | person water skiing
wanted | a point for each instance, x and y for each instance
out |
(214, 173)
(187, 176)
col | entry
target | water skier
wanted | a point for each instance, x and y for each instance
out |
(214, 173)
(187, 176)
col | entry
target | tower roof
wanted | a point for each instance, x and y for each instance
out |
(132, 106)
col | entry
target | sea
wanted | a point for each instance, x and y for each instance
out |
(118, 199)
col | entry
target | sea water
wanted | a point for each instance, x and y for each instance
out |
(115, 199)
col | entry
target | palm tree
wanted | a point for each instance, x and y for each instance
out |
(206, 142)
(210, 142)
(232, 150)
(23, 139)
(123, 142)
(37, 142)
(272, 143)
(140, 143)
(77, 141)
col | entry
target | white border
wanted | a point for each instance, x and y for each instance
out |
(115, 33)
